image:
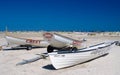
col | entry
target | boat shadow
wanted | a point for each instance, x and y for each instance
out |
(20, 48)
(50, 66)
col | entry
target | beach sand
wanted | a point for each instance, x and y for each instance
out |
(107, 65)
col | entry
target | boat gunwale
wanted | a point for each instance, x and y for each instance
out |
(81, 50)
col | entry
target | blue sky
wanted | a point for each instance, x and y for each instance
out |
(65, 15)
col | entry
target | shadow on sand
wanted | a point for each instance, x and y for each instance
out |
(20, 48)
(50, 67)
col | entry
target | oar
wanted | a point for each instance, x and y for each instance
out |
(40, 56)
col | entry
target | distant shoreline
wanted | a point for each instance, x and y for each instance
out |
(65, 32)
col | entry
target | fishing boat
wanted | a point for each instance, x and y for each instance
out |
(62, 59)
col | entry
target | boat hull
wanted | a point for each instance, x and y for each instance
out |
(62, 60)
(22, 41)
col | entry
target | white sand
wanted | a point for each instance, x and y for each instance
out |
(107, 65)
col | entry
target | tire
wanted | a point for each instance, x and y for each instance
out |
(50, 49)
(74, 49)
(117, 43)
(29, 47)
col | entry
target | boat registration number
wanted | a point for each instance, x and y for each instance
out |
(59, 55)
(33, 41)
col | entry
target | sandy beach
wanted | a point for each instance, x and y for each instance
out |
(107, 65)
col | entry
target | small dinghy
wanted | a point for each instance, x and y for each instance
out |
(62, 59)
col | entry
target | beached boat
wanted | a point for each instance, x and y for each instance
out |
(59, 42)
(23, 42)
(62, 59)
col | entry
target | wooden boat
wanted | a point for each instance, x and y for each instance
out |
(62, 59)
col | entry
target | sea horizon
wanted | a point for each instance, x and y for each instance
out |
(60, 15)
(63, 28)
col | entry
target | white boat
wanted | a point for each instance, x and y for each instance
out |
(59, 42)
(12, 40)
(62, 59)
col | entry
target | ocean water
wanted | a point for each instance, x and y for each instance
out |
(83, 28)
